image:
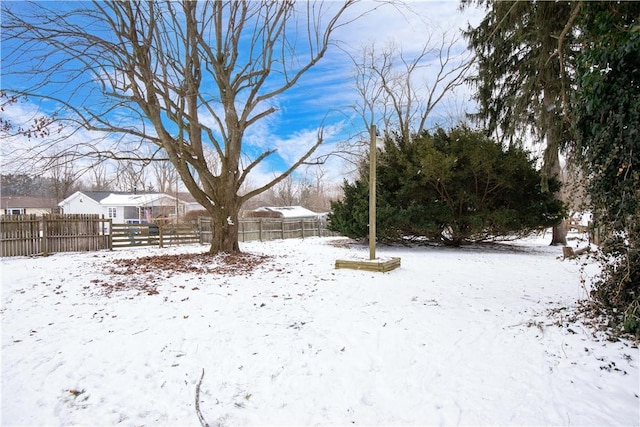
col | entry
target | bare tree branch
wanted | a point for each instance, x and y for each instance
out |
(391, 87)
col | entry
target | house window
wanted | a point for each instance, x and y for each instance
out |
(14, 211)
(113, 212)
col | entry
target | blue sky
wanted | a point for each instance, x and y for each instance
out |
(325, 95)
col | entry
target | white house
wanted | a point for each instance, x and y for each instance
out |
(124, 207)
(23, 205)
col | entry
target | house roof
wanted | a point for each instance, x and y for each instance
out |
(131, 199)
(23, 202)
(185, 196)
(288, 211)
(98, 196)
(122, 198)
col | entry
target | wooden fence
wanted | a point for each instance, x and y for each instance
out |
(127, 235)
(25, 235)
(251, 229)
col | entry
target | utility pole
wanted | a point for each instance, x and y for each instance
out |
(372, 193)
(373, 264)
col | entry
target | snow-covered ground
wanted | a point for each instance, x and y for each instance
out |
(465, 336)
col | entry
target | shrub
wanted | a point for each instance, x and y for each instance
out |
(454, 188)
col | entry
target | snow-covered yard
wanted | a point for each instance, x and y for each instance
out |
(472, 336)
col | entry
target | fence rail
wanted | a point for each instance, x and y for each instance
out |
(27, 235)
(127, 235)
(251, 229)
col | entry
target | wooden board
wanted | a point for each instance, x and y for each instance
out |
(370, 265)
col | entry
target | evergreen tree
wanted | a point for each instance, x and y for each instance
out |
(522, 51)
(449, 187)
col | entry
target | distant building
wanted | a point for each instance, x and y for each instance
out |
(281, 212)
(190, 202)
(125, 207)
(24, 205)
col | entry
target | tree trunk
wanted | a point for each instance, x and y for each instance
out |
(551, 166)
(552, 160)
(559, 235)
(552, 169)
(224, 229)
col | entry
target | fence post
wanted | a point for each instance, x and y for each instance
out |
(160, 236)
(44, 237)
(260, 229)
(282, 228)
(110, 222)
(302, 228)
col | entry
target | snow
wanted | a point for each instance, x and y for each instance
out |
(289, 211)
(145, 199)
(471, 336)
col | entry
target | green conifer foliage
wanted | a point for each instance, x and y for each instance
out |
(450, 187)
(524, 73)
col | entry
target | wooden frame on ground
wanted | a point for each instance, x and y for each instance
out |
(377, 265)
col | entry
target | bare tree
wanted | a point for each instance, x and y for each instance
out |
(165, 176)
(131, 176)
(181, 76)
(392, 86)
(317, 195)
(285, 193)
(309, 190)
(64, 176)
(100, 180)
